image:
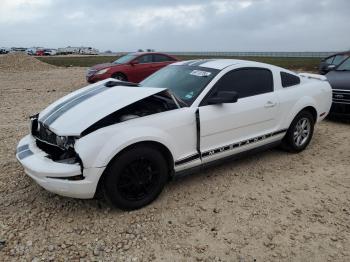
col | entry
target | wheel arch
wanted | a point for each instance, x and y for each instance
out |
(151, 143)
(312, 110)
(158, 145)
(306, 103)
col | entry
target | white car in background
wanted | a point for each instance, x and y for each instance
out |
(128, 139)
(49, 52)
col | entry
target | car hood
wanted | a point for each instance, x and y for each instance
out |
(102, 66)
(73, 113)
(339, 79)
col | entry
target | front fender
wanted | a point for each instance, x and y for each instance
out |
(98, 148)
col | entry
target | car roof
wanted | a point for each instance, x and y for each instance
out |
(220, 64)
(147, 53)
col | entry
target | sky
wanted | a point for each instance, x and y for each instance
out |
(178, 25)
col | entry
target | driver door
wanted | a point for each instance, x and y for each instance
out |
(224, 128)
(143, 68)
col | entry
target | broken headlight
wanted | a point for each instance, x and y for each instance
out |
(64, 141)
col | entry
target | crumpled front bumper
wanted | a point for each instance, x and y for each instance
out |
(53, 176)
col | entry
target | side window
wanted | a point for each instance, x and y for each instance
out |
(246, 82)
(330, 60)
(145, 59)
(289, 79)
(345, 65)
(162, 58)
(338, 59)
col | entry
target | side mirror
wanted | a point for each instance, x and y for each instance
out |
(330, 67)
(135, 62)
(223, 97)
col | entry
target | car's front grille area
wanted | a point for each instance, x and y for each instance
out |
(49, 149)
(42, 133)
(341, 96)
(45, 140)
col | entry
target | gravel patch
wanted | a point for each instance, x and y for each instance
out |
(20, 62)
(273, 206)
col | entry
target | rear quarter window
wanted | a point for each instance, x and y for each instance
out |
(289, 79)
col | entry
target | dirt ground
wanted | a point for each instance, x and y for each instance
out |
(273, 206)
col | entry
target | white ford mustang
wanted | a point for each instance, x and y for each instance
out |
(128, 139)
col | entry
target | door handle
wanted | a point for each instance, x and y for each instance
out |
(270, 104)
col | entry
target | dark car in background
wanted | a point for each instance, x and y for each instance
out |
(3, 50)
(339, 79)
(331, 62)
(133, 67)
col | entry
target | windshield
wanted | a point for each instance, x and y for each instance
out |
(185, 82)
(345, 66)
(124, 59)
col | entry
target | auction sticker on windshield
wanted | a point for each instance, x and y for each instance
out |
(200, 73)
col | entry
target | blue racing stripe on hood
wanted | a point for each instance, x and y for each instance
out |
(69, 100)
(72, 103)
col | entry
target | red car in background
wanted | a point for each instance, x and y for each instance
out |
(133, 67)
(40, 53)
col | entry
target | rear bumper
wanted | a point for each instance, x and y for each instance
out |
(54, 176)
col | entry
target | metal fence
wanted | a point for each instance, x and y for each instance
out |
(241, 54)
(256, 54)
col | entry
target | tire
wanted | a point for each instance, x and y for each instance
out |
(135, 178)
(299, 133)
(120, 76)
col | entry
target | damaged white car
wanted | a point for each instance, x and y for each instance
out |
(128, 139)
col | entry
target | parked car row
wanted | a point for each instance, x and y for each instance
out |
(78, 50)
(41, 51)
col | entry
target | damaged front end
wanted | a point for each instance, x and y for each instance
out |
(62, 149)
(58, 148)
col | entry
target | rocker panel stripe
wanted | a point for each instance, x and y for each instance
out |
(227, 147)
